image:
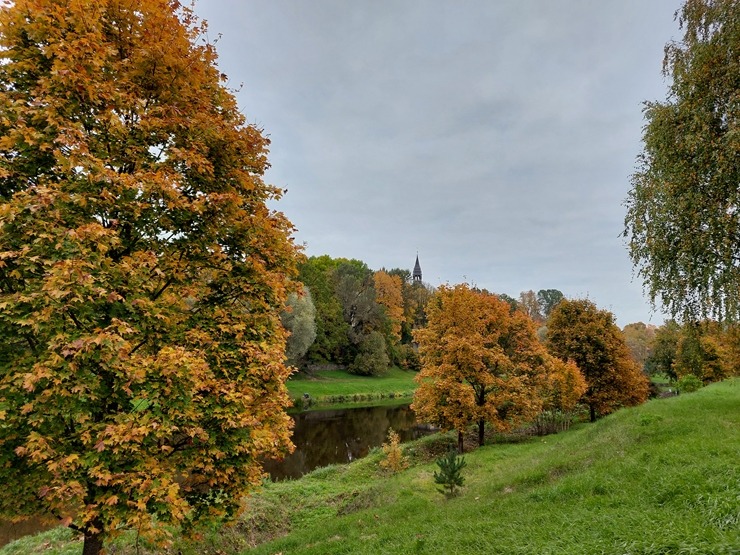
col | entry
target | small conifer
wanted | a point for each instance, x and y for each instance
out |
(449, 476)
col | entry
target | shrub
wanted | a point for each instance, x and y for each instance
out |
(372, 359)
(552, 422)
(394, 460)
(689, 383)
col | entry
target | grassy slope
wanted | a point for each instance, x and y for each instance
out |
(335, 384)
(662, 478)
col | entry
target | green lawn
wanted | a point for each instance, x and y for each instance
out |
(658, 479)
(337, 386)
(662, 478)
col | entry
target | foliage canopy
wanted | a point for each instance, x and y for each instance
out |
(141, 273)
(683, 211)
(578, 331)
(299, 319)
(481, 362)
(706, 350)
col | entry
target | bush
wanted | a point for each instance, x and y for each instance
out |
(372, 359)
(408, 358)
(552, 422)
(689, 383)
(394, 460)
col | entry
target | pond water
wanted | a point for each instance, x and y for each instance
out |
(321, 437)
(10, 531)
(325, 437)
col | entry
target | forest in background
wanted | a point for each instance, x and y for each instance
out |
(351, 317)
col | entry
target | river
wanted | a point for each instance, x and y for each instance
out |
(325, 437)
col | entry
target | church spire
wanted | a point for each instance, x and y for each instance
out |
(417, 270)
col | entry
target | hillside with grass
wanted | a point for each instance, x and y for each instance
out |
(656, 479)
(337, 386)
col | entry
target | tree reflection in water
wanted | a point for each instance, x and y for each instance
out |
(340, 436)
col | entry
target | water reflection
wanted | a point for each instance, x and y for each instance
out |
(339, 436)
(10, 531)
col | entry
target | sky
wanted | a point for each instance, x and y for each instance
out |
(496, 139)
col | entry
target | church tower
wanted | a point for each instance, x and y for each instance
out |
(417, 271)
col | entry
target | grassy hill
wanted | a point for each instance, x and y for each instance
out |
(662, 478)
(338, 386)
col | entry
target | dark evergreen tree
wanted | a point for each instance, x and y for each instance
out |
(449, 475)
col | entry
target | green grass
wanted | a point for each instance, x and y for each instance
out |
(662, 478)
(337, 386)
(658, 479)
(59, 541)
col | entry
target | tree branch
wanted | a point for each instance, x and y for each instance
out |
(77, 323)
(163, 288)
(141, 344)
(31, 341)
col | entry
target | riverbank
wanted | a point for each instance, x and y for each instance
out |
(658, 478)
(331, 387)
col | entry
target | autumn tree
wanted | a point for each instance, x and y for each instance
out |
(530, 305)
(730, 339)
(141, 273)
(299, 319)
(578, 331)
(389, 294)
(640, 338)
(699, 353)
(708, 350)
(563, 387)
(481, 363)
(683, 211)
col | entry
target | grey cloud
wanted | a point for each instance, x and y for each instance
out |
(497, 138)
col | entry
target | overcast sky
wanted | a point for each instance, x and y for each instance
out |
(494, 138)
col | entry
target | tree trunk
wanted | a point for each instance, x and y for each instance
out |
(460, 444)
(93, 540)
(593, 413)
(480, 400)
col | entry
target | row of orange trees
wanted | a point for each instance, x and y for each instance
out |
(482, 362)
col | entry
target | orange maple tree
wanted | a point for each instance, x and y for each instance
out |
(141, 273)
(564, 386)
(388, 293)
(481, 362)
(578, 331)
